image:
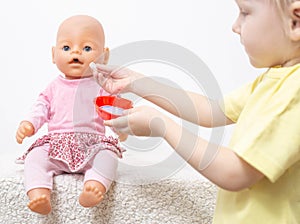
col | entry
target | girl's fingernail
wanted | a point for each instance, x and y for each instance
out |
(93, 66)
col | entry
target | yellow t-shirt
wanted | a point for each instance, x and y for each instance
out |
(267, 136)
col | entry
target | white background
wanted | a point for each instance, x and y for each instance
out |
(28, 31)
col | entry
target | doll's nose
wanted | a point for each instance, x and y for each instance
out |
(76, 51)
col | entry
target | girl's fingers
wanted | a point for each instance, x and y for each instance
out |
(98, 72)
(127, 112)
(106, 68)
(99, 77)
(119, 124)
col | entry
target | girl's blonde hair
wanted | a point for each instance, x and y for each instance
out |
(283, 6)
(283, 9)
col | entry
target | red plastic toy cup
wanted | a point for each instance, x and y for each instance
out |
(107, 105)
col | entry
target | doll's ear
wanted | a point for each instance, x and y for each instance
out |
(53, 53)
(106, 55)
(294, 12)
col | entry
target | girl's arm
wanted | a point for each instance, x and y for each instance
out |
(190, 106)
(187, 105)
(217, 163)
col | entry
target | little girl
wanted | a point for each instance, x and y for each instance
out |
(75, 142)
(259, 172)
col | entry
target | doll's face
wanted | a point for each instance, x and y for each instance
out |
(80, 40)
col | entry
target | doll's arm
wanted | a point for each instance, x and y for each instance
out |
(39, 113)
(26, 129)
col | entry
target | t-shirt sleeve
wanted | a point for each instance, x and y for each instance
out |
(233, 103)
(271, 143)
(267, 136)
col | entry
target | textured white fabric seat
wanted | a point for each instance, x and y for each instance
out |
(183, 198)
(169, 201)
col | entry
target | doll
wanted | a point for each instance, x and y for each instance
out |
(76, 141)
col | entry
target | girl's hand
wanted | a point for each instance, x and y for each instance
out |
(114, 79)
(140, 121)
(122, 137)
(25, 129)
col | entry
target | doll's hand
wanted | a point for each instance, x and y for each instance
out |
(140, 121)
(114, 79)
(25, 129)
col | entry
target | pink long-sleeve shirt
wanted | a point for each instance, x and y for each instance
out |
(68, 106)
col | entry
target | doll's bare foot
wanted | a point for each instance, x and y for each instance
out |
(92, 194)
(39, 201)
(40, 205)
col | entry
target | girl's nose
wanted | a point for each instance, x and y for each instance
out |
(236, 27)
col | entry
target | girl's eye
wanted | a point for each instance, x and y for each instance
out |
(244, 12)
(66, 48)
(87, 48)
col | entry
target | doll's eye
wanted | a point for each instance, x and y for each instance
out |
(87, 48)
(66, 48)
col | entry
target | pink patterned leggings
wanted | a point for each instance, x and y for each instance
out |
(39, 169)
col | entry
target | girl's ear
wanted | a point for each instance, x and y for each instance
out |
(106, 55)
(294, 12)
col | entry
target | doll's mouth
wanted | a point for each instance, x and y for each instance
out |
(75, 61)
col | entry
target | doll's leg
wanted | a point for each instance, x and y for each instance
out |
(38, 171)
(98, 177)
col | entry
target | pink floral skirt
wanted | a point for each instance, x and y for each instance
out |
(75, 149)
